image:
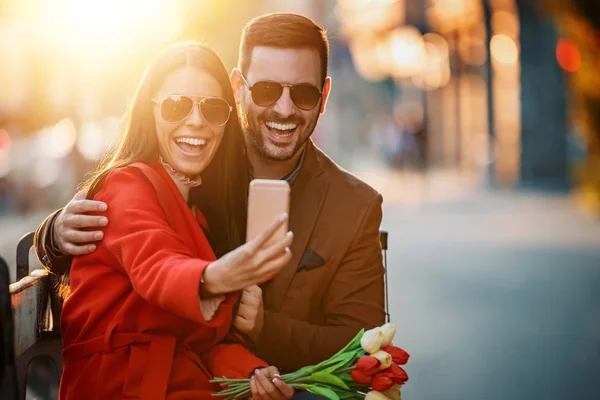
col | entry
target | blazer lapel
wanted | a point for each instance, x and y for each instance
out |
(307, 198)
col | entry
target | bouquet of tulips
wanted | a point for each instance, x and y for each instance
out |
(369, 367)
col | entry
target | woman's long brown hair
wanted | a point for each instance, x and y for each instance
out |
(222, 195)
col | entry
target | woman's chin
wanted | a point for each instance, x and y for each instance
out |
(189, 170)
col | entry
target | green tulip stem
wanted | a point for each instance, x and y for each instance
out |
(234, 389)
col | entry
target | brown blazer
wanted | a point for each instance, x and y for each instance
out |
(333, 286)
(312, 312)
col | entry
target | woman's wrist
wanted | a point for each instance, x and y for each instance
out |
(212, 282)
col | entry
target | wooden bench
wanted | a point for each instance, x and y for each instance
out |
(36, 314)
(8, 373)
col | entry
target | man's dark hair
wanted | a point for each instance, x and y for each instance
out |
(283, 30)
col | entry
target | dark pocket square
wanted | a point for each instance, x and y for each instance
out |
(310, 260)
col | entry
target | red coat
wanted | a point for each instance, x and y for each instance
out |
(132, 325)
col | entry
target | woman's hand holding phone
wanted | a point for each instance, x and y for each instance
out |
(249, 264)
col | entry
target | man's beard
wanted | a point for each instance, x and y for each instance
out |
(251, 127)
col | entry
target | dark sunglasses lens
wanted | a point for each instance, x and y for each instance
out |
(266, 93)
(305, 97)
(176, 108)
(215, 111)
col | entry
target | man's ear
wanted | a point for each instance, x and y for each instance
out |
(325, 94)
(237, 83)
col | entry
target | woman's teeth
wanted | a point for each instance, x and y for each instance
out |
(191, 145)
(191, 141)
(281, 127)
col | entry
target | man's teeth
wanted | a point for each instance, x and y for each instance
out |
(281, 127)
(192, 141)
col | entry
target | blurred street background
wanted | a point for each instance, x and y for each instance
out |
(478, 121)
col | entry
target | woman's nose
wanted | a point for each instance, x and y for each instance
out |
(195, 119)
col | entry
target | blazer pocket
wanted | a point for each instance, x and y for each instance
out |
(310, 260)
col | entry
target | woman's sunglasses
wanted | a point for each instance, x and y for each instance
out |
(266, 93)
(176, 108)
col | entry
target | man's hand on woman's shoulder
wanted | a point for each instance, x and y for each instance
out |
(70, 234)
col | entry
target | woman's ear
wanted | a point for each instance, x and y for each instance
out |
(237, 83)
(325, 94)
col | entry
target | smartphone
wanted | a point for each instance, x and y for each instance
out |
(267, 200)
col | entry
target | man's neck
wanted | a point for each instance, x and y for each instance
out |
(263, 168)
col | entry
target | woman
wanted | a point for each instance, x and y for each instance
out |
(147, 310)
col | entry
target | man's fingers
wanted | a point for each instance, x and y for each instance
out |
(251, 296)
(286, 390)
(242, 324)
(253, 300)
(85, 221)
(245, 295)
(254, 291)
(247, 312)
(78, 250)
(85, 206)
(79, 195)
(75, 237)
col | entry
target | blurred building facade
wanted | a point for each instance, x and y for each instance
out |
(467, 85)
(578, 53)
(480, 77)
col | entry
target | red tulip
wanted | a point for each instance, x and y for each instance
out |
(399, 356)
(360, 377)
(371, 371)
(366, 363)
(399, 375)
(382, 382)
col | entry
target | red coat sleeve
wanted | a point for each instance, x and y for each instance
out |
(231, 360)
(149, 251)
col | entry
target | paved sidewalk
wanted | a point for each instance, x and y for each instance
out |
(497, 296)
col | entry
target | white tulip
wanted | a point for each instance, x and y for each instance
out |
(372, 340)
(389, 330)
(385, 358)
(393, 393)
(375, 395)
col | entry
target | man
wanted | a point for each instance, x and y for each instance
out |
(333, 286)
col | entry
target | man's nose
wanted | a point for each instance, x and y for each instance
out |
(285, 106)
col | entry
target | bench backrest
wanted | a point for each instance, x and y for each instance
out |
(29, 298)
(36, 312)
(8, 378)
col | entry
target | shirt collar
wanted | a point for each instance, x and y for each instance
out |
(291, 177)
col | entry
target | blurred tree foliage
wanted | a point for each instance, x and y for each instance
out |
(579, 20)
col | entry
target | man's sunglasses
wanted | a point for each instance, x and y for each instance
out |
(176, 108)
(266, 93)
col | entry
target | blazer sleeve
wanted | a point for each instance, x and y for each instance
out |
(231, 360)
(148, 250)
(354, 300)
(53, 260)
